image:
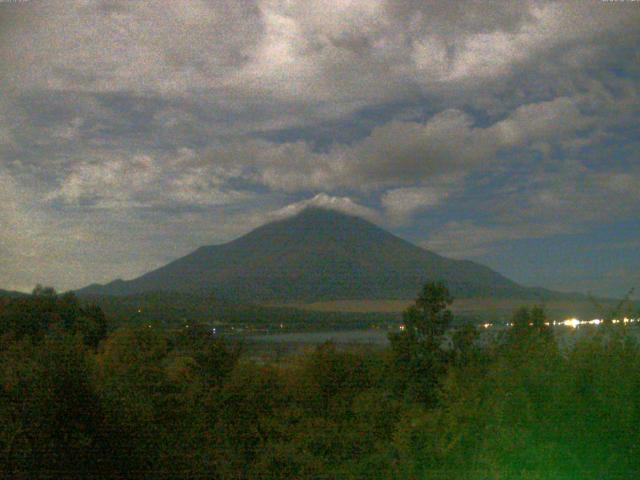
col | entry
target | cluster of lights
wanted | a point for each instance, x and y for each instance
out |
(571, 322)
(575, 323)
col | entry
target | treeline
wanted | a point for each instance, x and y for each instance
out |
(139, 402)
(175, 309)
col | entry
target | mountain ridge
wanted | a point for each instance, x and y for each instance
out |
(318, 254)
(11, 294)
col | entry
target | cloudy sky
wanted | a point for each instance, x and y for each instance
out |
(132, 132)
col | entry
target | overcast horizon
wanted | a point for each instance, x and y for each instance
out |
(132, 133)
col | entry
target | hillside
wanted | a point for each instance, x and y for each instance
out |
(318, 255)
(11, 294)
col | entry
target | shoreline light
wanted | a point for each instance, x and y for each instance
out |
(571, 322)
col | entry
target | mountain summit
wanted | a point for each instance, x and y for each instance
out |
(316, 255)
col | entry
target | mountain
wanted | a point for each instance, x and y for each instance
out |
(11, 294)
(317, 255)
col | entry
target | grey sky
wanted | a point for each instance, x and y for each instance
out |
(132, 132)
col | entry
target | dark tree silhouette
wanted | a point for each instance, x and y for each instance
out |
(419, 359)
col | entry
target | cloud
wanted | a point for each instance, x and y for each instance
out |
(467, 239)
(70, 245)
(572, 194)
(401, 203)
(404, 152)
(140, 121)
(544, 121)
(323, 60)
(322, 200)
(395, 153)
(568, 200)
(34, 247)
(116, 182)
(139, 46)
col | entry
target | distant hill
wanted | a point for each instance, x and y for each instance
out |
(10, 294)
(318, 255)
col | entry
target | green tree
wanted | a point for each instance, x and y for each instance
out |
(418, 358)
(45, 313)
(133, 387)
(465, 349)
(530, 324)
(51, 421)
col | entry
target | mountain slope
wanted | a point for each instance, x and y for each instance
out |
(11, 294)
(316, 255)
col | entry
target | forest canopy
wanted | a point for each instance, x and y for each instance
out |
(81, 400)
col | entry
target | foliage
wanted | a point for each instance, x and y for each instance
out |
(45, 311)
(418, 357)
(146, 402)
(530, 323)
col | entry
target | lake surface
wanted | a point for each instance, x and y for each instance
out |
(339, 337)
(565, 336)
